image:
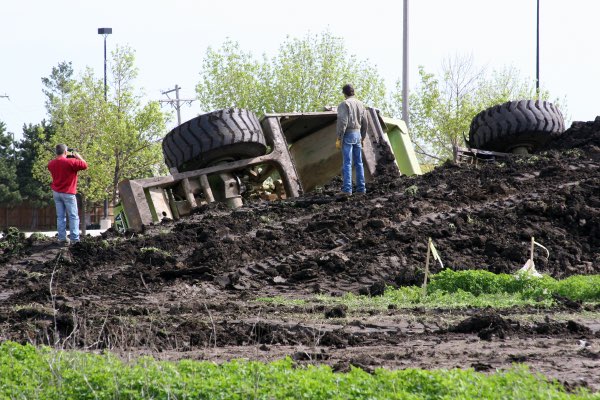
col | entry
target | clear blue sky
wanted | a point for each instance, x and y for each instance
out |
(171, 37)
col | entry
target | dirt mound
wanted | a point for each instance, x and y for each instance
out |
(192, 285)
(488, 324)
(581, 135)
(478, 216)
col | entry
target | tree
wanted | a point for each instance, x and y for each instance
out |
(231, 78)
(9, 187)
(119, 138)
(136, 129)
(33, 191)
(57, 88)
(306, 75)
(35, 141)
(309, 73)
(442, 109)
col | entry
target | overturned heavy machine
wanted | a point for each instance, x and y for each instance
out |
(230, 156)
(518, 127)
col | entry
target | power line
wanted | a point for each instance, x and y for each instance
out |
(176, 102)
(5, 96)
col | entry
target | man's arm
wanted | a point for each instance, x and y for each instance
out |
(81, 164)
(364, 124)
(342, 119)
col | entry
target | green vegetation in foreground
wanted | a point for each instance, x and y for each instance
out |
(30, 373)
(473, 288)
(478, 282)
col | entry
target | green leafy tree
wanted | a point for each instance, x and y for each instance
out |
(136, 129)
(9, 187)
(308, 74)
(35, 141)
(35, 192)
(305, 75)
(442, 108)
(81, 117)
(119, 138)
(231, 78)
(57, 88)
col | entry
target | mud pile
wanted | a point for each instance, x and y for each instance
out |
(479, 216)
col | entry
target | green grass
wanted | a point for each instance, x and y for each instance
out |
(479, 282)
(280, 300)
(473, 288)
(27, 372)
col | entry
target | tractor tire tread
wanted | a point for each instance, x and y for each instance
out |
(195, 144)
(529, 123)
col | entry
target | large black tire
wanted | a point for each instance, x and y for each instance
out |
(522, 123)
(231, 134)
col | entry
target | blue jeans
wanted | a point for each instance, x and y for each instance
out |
(66, 205)
(352, 153)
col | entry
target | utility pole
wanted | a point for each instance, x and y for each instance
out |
(176, 102)
(4, 96)
(405, 64)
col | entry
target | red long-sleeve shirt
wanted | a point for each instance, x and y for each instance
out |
(64, 173)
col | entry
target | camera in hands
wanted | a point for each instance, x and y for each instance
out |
(71, 153)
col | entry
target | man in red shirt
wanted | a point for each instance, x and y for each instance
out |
(64, 187)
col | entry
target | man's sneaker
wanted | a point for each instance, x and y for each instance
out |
(360, 193)
(343, 194)
(63, 243)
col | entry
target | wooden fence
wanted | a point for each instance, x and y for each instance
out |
(30, 219)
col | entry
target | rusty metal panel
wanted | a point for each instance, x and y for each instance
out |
(281, 156)
(135, 204)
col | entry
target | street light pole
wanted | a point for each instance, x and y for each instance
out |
(105, 32)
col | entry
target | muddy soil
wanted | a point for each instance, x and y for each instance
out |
(190, 289)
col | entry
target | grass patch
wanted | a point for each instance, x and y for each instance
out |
(411, 297)
(478, 283)
(155, 250)
(27, 372)
(473, 288)
(584, 288)
(280, 300)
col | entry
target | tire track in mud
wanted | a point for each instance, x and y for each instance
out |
(504, 203)
(331, 270)
(36, 263)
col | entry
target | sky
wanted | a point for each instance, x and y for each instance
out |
(170, 39)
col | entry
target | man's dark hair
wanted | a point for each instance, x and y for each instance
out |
(348, 90)
(61, 149)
